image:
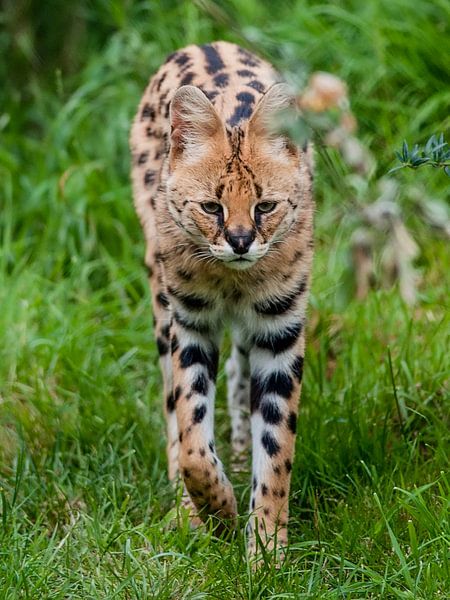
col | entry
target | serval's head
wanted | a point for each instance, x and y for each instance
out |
(236, 192)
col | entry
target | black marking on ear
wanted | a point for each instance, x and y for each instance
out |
(187, 78)
(200, 384)
(221, 80)
(162, 299)
(214, 62)
(190, 301)
(199, 413)
(297, 368)
(280, 341)
(270, 444)
(292, 422)
(257, 85)
(270, 412)
(194, 354)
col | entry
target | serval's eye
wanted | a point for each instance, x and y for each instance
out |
(265, 207)
(212, 208)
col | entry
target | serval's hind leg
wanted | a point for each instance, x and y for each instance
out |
(238, 396)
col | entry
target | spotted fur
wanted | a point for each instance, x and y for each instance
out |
(226, 207)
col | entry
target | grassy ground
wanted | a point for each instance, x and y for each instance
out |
(85, 507)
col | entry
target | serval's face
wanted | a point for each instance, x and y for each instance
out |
(235, 192)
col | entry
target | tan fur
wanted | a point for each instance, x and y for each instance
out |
(188, 151)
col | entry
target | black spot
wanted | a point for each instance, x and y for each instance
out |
(190, 301)
(288, 465)
(142, 158)
(187, 473)
(202, 453)
(148, 112)
(243, 110)
(221, 80)
(200, 385)
(245, 73)
(165, 331)
(194, 354)
(245, 97)
(211, 446)
(278, 383)
(270, 444)
(277, 470)
(170, 402)
(264, 489)
(149, 132)
(187, 78)
(199, 413)
(292, 422)
(163, 346)
(214, 62)
(254, 483)
(174, 344)
(247, 58)
(257, 85)
(162, 299)
(297, 368)
(160, 81)
(182, 58)
(270, 412)
(253, 504)
(149, 177)
(279, 342)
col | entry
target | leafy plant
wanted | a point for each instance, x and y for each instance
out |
(435, 153)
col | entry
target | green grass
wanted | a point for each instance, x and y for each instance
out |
(86, 510)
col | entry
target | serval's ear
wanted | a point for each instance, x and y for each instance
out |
(194, 123)
(264, 124)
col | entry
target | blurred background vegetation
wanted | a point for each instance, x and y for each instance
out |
(83, 491)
